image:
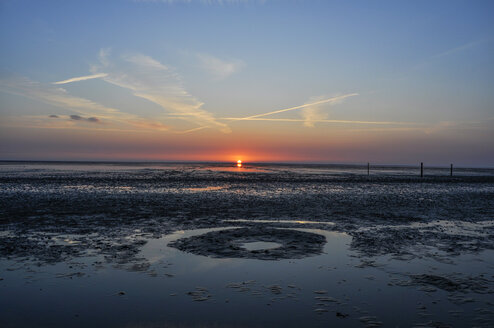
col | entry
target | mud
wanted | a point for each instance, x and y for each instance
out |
(107, 215)
(112, 210)
(228, 243)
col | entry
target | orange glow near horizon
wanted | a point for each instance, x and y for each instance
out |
(239, 163)
(336, 146)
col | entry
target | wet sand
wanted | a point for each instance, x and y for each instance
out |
(122, 245)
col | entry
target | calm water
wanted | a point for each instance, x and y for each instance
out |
(239, 292)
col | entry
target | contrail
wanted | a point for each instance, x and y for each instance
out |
(323, 121)
(192, 130)
(291, 108)
(81, 78)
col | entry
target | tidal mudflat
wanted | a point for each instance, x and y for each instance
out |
(211, 245)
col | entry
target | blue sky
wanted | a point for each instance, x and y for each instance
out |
(404, 81)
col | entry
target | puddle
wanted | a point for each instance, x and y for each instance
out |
(334, 286)
(278, 221)
(209, 188)
(260, 245)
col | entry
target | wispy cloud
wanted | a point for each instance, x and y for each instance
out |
(328, 121)
(55, 96)
(459, 48)
(458, 125)
(313, 113)
(81, 78)
(219, 68)
(88, 119)
(43, 122)
(324, 101)
(142, 60)
(149, 79)
(85, 110)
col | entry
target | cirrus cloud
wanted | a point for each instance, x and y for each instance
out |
(219, 68)
(147, 78)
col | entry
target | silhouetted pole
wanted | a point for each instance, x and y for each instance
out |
(451, 171)
(368, 168)
(421, 170)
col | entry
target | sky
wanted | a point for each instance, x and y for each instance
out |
(388, 82)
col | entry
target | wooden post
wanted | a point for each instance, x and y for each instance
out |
(421, 169)
(368, 168)
(451, 171)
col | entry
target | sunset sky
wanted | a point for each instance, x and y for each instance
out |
(395, 82)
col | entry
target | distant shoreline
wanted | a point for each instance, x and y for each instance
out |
(309, 164)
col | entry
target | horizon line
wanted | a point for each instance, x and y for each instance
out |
(243, 162)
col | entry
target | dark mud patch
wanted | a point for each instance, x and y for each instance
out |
(229, 243)
(119, 247)
(449, 237)
(454, 284)
(437, 281)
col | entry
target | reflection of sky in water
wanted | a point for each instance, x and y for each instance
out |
(258, 245)
(238, 288)
(278, 221)
(208, 188)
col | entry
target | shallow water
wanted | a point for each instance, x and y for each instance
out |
(182, 289)
(94, 244)
(260, 245)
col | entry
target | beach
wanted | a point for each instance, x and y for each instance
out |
(216, 245)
